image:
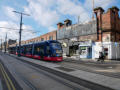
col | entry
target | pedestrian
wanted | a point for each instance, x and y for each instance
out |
(101, 57)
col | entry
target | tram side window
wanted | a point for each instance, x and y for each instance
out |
(29, 50)
(37, 50)
(24, 50)
(48, 50)
(41, 49)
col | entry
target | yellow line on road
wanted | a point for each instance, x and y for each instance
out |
(5, 78)
(10, 81)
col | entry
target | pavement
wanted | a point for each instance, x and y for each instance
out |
(78, 60)
(103, 80)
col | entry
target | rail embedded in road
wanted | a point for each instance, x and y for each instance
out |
(79, 81)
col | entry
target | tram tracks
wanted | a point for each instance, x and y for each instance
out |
(79, 81)
(47, 74)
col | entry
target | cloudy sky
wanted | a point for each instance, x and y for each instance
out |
(44, 15)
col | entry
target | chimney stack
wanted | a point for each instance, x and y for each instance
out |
(98, 11)
(115, 9)
(60, 25)
(67, 22)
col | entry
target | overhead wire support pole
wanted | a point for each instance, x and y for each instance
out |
(19, 50)
(1, 44)
(6, 43)
(20, 36)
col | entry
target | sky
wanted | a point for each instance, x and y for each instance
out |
(44, 15)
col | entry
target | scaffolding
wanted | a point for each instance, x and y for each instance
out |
(77, 30)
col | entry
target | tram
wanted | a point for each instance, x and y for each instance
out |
(50, 50)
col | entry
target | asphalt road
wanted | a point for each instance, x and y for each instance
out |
(32, 78)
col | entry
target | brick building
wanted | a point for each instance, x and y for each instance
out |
(108, 32)
(71, 36)
(47, 36)
(7, 44)
(108, 24)
(88, 39)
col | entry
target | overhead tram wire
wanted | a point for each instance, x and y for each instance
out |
(15, 29)
(9, 28)
(25, 30)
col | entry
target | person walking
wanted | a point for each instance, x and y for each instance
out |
(101, 57)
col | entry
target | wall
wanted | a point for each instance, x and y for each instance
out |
(77, 30)
(108, 22)
(113, 49)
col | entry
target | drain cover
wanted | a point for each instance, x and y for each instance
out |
(65, 69)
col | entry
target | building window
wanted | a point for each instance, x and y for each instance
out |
(50, 38)
(42, 39)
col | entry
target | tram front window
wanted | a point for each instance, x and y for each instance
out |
(56, 45)
(57, 49)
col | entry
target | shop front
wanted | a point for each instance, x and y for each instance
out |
(70, 48)
(73, 50)
(85, 49)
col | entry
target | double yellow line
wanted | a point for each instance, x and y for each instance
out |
(8, 81)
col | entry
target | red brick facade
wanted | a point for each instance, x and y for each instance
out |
(108, 24)
(47, 36)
